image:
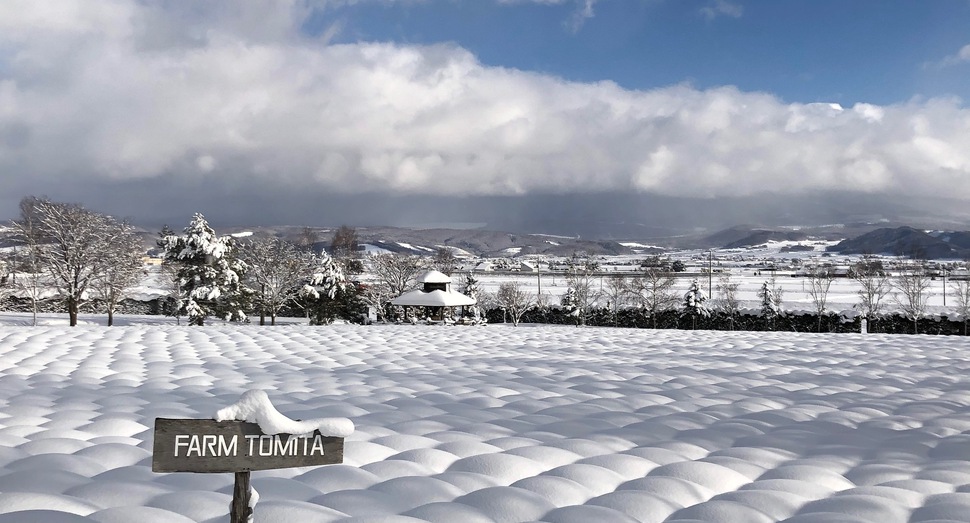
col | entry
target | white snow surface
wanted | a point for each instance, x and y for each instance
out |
(497, 424)
(255, 407)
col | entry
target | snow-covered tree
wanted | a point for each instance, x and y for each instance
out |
(769, 305)
(276, 269)
(69, 242)
(470, 287)
(514, 299)
(123, 268)
(323, 289)
(695, 303)
(377, 296)
(398, 272)
(209, 272)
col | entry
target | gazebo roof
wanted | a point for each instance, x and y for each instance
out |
(434, 277)
(436, 298)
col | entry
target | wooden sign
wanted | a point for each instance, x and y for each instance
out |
(203, 445)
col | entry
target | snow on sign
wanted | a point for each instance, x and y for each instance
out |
(202, 445)
(246, 436)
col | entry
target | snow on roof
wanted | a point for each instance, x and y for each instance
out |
(436, 298)
(434, 277)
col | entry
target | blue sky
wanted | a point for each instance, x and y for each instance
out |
(262, 110)
(800, 50)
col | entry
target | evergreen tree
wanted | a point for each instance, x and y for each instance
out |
(326, 292)
(471, 288)
(695, 303)
(209, 272)
(769, 305)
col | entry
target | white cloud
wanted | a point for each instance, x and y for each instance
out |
(722, 8)
(584, 10)
(111, 96)
(960, 57)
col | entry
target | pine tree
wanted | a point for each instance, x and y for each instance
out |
(471, 288)
(695, 303)
(209, 272)
(324, 291)
(769, 305)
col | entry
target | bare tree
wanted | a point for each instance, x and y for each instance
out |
(653, 289)
(512, 298)
(913, 286)
(874, 285)
(617, 292)
(4, 283)
(819, 282)
(961, 290)
(345, 242)
(377, 295)
(397, 272)
(175, 293)
(306, 240)
(727, 300)
(70, 242)
(123, 268)
(445, 260)
(777, 292)
(579, 278)
(276, 268)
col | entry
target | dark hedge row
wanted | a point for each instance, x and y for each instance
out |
(672, 319)
(630, 318)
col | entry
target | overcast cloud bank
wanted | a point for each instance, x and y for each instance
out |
(238, 95)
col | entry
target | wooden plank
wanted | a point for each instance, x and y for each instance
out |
(203, 445)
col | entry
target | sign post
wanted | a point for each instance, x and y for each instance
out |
(209, 446)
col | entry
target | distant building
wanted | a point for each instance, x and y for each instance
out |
(485, 266)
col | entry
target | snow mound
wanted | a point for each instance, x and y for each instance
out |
(255, 407)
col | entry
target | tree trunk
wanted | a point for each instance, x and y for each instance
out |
(111, 316)
(72, 308)
(272, 319)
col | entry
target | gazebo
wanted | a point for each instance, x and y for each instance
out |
(435, 293)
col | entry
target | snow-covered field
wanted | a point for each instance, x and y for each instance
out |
(497, 424)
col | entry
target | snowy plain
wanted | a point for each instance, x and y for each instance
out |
(495, 423)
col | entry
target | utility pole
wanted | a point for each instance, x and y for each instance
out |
(944, 286)
(710, 274)
(539, 277)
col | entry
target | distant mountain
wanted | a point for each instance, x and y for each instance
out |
(907, 241)
(465, 242)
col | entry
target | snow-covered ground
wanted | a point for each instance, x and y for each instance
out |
(496, 424)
